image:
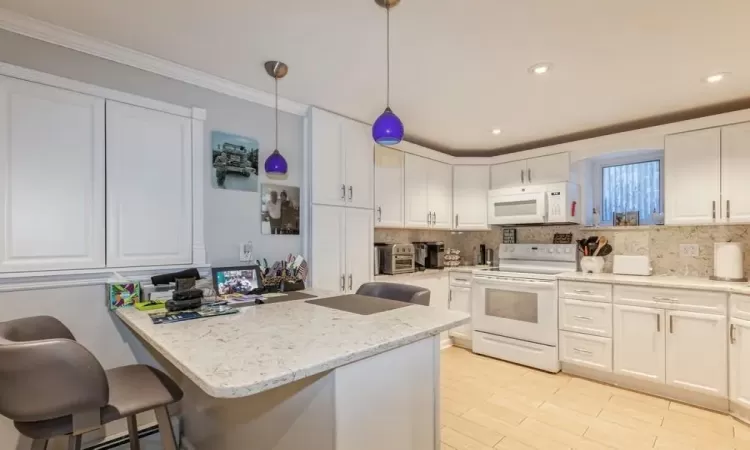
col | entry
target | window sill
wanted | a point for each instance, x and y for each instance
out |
(624, 228)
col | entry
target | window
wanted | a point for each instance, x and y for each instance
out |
(632, 183)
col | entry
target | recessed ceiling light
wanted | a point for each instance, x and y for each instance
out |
(715, 78)
(497, 131)
(540, 69)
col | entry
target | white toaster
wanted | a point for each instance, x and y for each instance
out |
(632, 265)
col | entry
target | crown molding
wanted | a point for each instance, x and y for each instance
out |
(53, 34)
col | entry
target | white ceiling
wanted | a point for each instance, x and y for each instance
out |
(459, 68)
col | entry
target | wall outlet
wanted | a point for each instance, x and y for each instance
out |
(689, 250)
(246, 252)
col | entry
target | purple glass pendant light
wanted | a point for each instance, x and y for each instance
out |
(275, 163)
(388, 128)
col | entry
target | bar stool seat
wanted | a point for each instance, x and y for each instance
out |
(396, 291)
(132, 390)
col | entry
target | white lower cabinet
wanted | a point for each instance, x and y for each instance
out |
(697, 352)
(589, 351)
(460, 300)
(639, 344)
(739, 362)
(586, 317)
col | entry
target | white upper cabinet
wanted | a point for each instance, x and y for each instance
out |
(416, 173)
(440, 194)
(51, 178)
(470, 187)
(149, 215)
(639, 343)
(693, 177)
(697, 352)
(508, 174)
(389, 188)
(735, 167)
(342, 161)
(548, 169)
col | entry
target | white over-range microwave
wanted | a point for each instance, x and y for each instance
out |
(542, 204)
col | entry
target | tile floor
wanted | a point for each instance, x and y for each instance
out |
(486, 404)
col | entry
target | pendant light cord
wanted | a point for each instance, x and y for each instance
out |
(388, 55)
(276, 78)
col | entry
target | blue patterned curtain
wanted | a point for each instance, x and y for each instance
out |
(631, 187)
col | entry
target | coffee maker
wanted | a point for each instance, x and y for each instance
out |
(429, 255)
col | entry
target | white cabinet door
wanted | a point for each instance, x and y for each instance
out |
(460, 300)
(697, 352)
(51, 178)
(739, 362)
(470, 187)
(440, 195)
(389, 188)
(359, 247)
(639, 342)
(692, 180)
(328, 185)
(508, 174)
(416, 179)
(359, 162)
(149, 215)
(735, 167)
(328, 269)
(548, 169)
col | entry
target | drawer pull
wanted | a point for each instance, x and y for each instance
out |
(665, 299)
(462, 279)
(579, 291)
(583, 318)
(581, 350)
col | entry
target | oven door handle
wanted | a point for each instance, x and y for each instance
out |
(514, 282)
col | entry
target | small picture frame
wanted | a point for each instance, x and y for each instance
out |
(124, 293)
(618, 219)
(633, 218)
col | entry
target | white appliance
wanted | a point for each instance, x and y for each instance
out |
(632, 265)
(545, 203)
(514, 306)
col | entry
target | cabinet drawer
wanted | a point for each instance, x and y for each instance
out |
(671, 299)
(739, 306)
(586, 317)
(462, 279)
(595, 292)
(590, 351)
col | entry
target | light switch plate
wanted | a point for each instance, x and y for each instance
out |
(246, 252)
(689, 250)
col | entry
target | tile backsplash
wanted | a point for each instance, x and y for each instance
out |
(660, 243)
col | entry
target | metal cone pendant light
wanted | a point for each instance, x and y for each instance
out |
(275, 163)
(388, 128)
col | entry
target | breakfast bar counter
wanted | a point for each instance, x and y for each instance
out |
(298, 375)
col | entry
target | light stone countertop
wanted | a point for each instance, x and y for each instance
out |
(266, 346)
(430, 272)
(667, 281)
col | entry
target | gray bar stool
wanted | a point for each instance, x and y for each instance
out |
(396, 291)
(50, 385)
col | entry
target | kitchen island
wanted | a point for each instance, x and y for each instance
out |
(295, 375)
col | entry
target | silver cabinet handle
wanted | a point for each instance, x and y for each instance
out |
(727, 209)
(456, 220)
(665, 299)
(350, 282)
(434, 217)
(671, 324)
(429, 218)
(732, 338)
(380, 214)
(351, 193)
(713, 213)
(578, 291)
(343, 282)
(343, 192)
(588, 319)
(450, 299)
(522, 174)
(529, 172)
(658, 323)
(580, 350)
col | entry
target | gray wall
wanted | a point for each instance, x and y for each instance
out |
(232, 217)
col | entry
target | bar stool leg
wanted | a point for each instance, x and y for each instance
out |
(36, 444)
(74, 442)
(135, 443)
(168, 441)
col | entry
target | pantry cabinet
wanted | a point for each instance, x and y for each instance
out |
(428, 191)
(541, 170)
(342, 161)
(389, 188)
(639, 343)
(697, 352)
(342, 250)
(470, 187)
(693, 177)
(52, 155)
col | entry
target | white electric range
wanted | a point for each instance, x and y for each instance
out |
(514, 305)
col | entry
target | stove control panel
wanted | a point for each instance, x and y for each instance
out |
(539, 252)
